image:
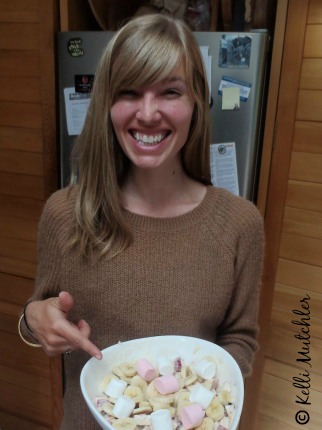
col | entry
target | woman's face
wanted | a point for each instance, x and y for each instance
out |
(152, 123)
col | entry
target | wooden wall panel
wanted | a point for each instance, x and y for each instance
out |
(14, 289)
(315, 13)
(299, 275)
(25, 163)
(19, 36)
(311, 48)
(311, 75)
(306, 167)
(17, 114)
(21, 139)
(22, 186)
(18, 228)
(299, 265)
(305, 195)
(30, 382)
(301, 248)
(302, 222)
(14, 266)
(309, 105)
(11, 422)
(19, 63)
(283, 410)
(307, 136)
(19, 11)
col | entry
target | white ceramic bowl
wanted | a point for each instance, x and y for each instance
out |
(188, 348)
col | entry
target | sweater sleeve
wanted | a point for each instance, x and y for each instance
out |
(237, 334)
(49, 248)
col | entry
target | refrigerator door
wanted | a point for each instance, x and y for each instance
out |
(240, 126)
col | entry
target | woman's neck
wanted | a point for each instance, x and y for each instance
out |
(161, 194)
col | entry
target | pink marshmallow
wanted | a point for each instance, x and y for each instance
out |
(146, 370)
(166, 384)
(192, 416)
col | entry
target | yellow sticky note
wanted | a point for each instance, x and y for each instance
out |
(230, 98)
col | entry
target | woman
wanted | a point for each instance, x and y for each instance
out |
(143, 245)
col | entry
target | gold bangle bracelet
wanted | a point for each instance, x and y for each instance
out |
(35, 345)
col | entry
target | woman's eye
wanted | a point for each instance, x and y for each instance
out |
(128, 93)
(172, 92)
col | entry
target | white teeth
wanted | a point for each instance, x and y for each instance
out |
(148, 140)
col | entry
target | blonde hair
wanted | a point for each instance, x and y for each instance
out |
(146, 50)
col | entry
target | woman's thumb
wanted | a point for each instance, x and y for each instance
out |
(65, 301)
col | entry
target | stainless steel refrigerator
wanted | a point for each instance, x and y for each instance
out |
(236, 66)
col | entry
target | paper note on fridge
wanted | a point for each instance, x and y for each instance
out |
(228, 82)
(230, 98)
(76, 105)
(223, 166)
(207, 62)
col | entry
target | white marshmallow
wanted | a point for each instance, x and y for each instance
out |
(201, 396)
(115, 388)
(165, 366)
(123, 407)
(161, 420)
(206, 369)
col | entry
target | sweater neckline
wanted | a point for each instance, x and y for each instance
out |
(180, 221)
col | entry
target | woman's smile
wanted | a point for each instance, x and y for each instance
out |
(147, 139)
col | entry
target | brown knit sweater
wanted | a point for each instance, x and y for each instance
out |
(197, 274)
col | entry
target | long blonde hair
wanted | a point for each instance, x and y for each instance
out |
(146, 50)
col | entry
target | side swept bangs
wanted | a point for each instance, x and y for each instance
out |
(144, 60)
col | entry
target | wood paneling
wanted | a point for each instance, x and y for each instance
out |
(19, 11)
(19, 36)
(11, 422)
(302, 222)
(19, 63)
(307, 137)
(306, 167)
(315, 12)
(17, 88)
(17, 114)
(297, 272)
(309, 105)
(15, 289)
(306, 195)
(18, 228)
(302, 276)
(25, 163)
(311, 75)
(21, 139)
(311, 48)
(18, 207)
(30, 382)
(22, 185)
(301, 249)
(282, 409)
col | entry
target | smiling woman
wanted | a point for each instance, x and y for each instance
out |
(141, 244)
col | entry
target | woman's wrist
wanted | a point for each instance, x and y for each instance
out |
(23, 326)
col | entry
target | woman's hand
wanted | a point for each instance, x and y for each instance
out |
(48, 320)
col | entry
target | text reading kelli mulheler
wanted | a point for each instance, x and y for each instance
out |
(302, 381)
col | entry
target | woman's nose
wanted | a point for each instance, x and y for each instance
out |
(148, 109)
